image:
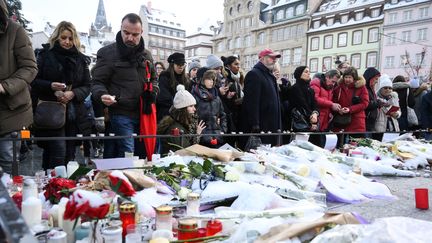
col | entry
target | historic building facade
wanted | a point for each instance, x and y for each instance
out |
(407, 32)
(162, 32)
(345, 30)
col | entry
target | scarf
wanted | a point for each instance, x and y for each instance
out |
(131, 54)
(68, 59)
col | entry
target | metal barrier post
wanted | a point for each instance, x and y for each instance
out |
(15, 163)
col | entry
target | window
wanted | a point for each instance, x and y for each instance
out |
(161, 54)
(403, 60)
(220, 46)
(247, 22)
(392, 18)
(160, 31)
(261, 38)
(407, 15)
(247, 41)
(342, 39)
(327, 64)
(231, 11)
(231, 44)
(287, 33)
(389, 62)
(300, 9)
(375, 13)
(344, 18)
(239, 7)
(423, 12)
(297, 56)
(300, 31)
(238, 42)
(371, 60)
(286, 57)
(421, 34)
(289, 13)
(357, 37)
(356, 60)
(406, 36)
(278, 34)
(154, 52)
(153, 29)
(314, 44)
(250, 5)
(279, 15)
(373, 35)
(342, 58)
(391, 38)
(359, 15)
(328, 41)
(313, 64)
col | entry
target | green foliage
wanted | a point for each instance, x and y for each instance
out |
(14, 8)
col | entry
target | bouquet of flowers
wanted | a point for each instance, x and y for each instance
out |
(58, 188)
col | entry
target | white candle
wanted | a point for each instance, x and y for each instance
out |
(29, 189)
(60, 211)
(60, 171)
(72, 166)
(32, 211)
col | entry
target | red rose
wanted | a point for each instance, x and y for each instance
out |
(120, 184)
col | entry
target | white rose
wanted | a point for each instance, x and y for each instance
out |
(183, 192)
(240, 167)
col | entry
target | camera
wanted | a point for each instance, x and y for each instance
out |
(355, 100)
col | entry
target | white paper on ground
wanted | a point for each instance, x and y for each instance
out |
(301, 136)
(116, 163)
(388, 137)
(331, 141)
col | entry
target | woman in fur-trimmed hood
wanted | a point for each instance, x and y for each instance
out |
(352, 95)
(406, 99)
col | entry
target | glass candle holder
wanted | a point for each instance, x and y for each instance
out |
(213, 227)
(127, 212)
(193, 204)
(164, 218)
(187, 229)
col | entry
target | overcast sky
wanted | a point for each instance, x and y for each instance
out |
(83, 12)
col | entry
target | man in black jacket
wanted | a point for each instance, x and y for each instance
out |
(119, 75)
(261, 109)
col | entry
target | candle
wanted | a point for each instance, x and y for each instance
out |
(164, 218)
(29, 189)
(60, 211)
(112, 234)
(127, 215)
(193, 204)
(60, 171)
(32, 211)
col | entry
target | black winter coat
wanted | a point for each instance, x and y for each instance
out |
(426, 110)
(71, 68)
(211, 111)
(232, 107)
(303, 98)
(166, 95)
(261, 107)
(122, 72)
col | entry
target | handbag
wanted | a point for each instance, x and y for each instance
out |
(49, 115)
(344, 119)
(299, 122)
(411, 115)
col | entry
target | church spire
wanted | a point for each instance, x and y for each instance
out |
(101, 20)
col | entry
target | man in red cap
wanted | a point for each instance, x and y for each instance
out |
(261, 109)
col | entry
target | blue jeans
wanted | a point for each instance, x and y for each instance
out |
(6, 152)
(121, 126)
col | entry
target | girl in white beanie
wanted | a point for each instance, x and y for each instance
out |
(181, 120)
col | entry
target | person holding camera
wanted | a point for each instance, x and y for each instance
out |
(352, 95)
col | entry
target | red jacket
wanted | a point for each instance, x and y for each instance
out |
(324, 102)
(358, 115)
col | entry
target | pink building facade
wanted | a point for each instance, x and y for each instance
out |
(406, 40)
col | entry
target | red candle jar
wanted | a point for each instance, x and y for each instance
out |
(127, 212)
(187, 229)
(422, 198)
(213, 227)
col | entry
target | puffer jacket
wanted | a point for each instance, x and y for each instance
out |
(343, 95)
(323, 98)
(17, 70)
(211, 111)
(386, 122)
(124, 77)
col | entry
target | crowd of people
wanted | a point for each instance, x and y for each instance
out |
(203, 101)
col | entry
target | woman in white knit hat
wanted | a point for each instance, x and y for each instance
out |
(390, 111)
(181, 120)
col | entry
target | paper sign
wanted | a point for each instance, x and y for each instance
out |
(116, 163)
(331, 141)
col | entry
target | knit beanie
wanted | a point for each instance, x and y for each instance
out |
(298, 72)
(195, 63)
(369, 73)
(384, 81)
(415, 83)
(200, 72)
(214, 62)
(183, 98)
